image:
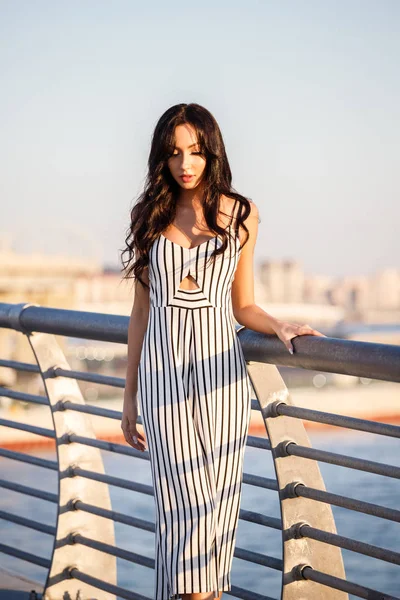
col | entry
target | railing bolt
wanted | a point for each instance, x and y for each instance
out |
(71, 537)
(61, 404)
(70, 471)
(52, 371)
(294, 532)
(289, 491)
(66, 438)
(286, 445)
(67, 572)
(298, 571)
(296, 529)
(71, 504)
(281, 450)
(271, 410)
(15, 314)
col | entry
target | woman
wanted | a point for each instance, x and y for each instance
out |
(190, 250)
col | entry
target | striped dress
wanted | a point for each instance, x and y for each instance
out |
(194, 395)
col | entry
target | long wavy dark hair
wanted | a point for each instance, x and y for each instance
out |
(155, 208)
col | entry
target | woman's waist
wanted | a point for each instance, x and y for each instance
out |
(226, 308)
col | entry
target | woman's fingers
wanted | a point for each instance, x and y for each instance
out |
(138, 440)
(140, 436)
(306, 330)
(288, 343)
(132, 436)
(296, 330)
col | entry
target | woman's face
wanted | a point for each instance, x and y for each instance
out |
(186, 164)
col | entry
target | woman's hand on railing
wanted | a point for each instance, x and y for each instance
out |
(287, 331)
(128, 425)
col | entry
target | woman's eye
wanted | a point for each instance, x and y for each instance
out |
(177, 153)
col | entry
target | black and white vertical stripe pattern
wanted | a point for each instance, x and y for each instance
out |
(194, 394)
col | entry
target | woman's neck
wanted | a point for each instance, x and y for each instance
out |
(191, 198)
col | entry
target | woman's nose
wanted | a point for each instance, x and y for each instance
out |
(185, 159)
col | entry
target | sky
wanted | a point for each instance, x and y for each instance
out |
(306, 93)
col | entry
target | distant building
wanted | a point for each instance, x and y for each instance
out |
(359, 296)
(283, 280)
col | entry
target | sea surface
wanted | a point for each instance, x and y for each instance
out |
(379, 575)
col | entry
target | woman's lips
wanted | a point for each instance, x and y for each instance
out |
(186, 178)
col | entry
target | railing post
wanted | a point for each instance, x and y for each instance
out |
(66, 555)
(297, 551)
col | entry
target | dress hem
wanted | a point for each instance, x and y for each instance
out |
(178, 595)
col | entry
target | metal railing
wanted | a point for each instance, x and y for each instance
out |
(85, 517)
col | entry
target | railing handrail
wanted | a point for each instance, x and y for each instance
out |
(327, 354)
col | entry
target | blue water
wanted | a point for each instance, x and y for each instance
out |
(378, 575)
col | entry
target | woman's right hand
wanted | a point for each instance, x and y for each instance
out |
(128, 426)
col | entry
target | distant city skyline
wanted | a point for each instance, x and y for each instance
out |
(282, 287)
(307, 95)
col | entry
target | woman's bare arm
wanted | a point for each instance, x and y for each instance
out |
(136, 330)
(245, 311)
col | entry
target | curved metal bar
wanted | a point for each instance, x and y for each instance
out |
(118, 382)
(243, 594)
(115, 516)
(19, 366)
(263, 482)
(346, 543)
(23, 396)
(340, 584)
(244, 515)
(126, 484)
(270, 387)
(133, 557)
(27, 556)
(36, 525)
(259, 559)
(45, 463)
(339, 420)
(342, 460)
(391, 514)
(29, 491)
(49, 355)
(43, 431)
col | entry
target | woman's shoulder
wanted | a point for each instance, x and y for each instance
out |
(230, 203)
(253, 210)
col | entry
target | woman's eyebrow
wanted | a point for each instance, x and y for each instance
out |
(191, 146)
